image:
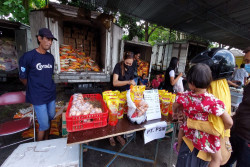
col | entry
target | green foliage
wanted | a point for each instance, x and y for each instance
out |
(160, 35)
(156, 34)
(19, 9)
(130, 24)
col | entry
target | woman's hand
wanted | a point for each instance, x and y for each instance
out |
(180, 74)
(132, 82)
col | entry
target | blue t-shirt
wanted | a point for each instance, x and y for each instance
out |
(143, 81)
(38, 70)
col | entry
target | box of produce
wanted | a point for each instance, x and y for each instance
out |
(86, 111)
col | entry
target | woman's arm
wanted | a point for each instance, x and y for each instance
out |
(227, 120)
(118, 83)
(174, 81)
(231, 83)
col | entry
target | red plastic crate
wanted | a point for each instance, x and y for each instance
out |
(76, 123)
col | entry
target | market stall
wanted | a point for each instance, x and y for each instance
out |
(92, 117)
(124, 126)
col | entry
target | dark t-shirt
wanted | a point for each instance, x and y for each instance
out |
(38, 70)
(129, 75)
(135, 66)
(242, 117)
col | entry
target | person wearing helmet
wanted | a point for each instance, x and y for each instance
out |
(221, 63)
(240, 134)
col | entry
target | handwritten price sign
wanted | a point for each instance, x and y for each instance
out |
(155, 131)
(152, 98)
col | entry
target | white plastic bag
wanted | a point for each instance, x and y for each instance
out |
(178, 87)
(132, 109)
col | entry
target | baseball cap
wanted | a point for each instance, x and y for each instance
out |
(45, 32)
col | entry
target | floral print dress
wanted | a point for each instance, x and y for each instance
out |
(198, 107)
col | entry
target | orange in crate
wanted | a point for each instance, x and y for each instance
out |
(90, 121)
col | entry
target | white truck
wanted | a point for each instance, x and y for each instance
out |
(109, 47)
(184, 51)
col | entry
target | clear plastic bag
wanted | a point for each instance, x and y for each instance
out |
(132, 110)
(178, 87)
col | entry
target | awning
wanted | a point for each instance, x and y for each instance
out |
(223, 21)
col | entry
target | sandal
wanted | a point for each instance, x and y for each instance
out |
(120, 140)
(112, 141)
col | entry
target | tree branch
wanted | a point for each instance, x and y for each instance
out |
(152, 31)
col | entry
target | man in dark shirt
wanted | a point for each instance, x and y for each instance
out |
(36, 68)
(240, 134)
(135, 65)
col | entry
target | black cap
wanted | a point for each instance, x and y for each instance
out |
(45, 32)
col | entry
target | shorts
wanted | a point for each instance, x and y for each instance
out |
(44, 114)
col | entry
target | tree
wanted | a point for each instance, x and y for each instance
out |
(18, 10)
(130, 24)
(145, 31)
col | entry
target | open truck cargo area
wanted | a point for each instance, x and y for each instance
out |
(15, 39)
(184, 51)
(83, 50)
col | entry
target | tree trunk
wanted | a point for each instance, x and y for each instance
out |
(146, 31)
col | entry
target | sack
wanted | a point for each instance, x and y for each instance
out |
(132, 109)
(178, 87)
(226, 149)
(207, 127)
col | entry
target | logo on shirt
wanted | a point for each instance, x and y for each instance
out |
(39, 66)
(23, 69)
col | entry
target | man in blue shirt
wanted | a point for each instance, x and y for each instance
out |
(36, 68)
(144, 81)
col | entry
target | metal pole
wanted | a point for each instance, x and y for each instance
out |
(156, 151)
(172, 143)
(119, 154)
(115, 156)
(81, 156)
(169, 40)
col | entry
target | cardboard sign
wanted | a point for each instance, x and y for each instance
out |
(152, 98)
(155, 131)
